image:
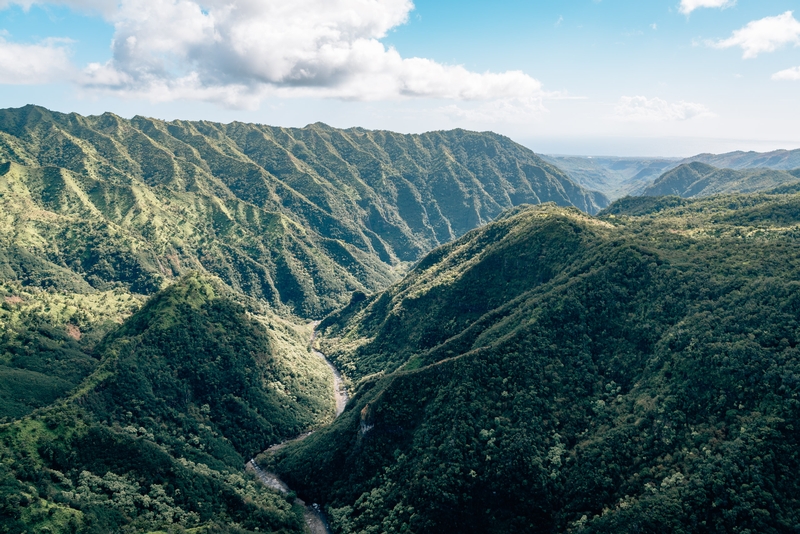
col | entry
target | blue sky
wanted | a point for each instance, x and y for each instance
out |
(607, 77)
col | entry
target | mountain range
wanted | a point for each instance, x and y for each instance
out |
(698, 179)
(614, 176)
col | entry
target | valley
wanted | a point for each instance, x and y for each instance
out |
(418, 333)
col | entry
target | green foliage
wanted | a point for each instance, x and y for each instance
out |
(212, 378)
(157, 434)
(47, 339)
(637, 372)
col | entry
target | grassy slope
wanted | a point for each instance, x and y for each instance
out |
(47, 339)
(185, 391)
(298, 217)
(637, 372)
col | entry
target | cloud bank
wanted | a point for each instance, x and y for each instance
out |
(791, 74)
(643, 109)
(41, 63)
(764, 35)
(236, 52)
(687, 6)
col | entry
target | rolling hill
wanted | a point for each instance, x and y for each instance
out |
(615, 177)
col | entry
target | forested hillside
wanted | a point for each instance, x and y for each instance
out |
(698, 179)
(181, 395)
(555, 372)
(297, 217)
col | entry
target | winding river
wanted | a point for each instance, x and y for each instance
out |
(312, 514)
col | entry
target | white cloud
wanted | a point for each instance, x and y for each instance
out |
(505, 110)
(687, 6)
(642, 109)
(764, 35)
(791, 74)
(235, 52)
(45, 62)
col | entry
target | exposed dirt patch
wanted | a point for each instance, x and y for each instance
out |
(74, 332)
(13, 299)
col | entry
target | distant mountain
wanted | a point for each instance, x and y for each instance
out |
(617, 177)
(698, 179)
(777, 159)
(300, 218)
(156, 437)
(614, 177)
(555, 372)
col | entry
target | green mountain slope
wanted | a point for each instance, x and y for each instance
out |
(777, 159)
(156, 437)
(298, 217)
(48, 335)
(698, 179)
(553, 372)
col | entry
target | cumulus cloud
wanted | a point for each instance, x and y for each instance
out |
(643, 109)
(791, 74)
(45, 62)
(687, 6)
(237, 51)
(764, 35)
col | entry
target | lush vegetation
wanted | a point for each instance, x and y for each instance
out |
(131, 392)
(698, 179)
(554, 372)
(550, 371)
(300, 218)
(176, 400)
(47, 340)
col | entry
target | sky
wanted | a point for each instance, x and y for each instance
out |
(586, 77)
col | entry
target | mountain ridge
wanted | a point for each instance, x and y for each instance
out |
(355, 205)
(698, 179)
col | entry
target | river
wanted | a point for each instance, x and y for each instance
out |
(313, 515)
